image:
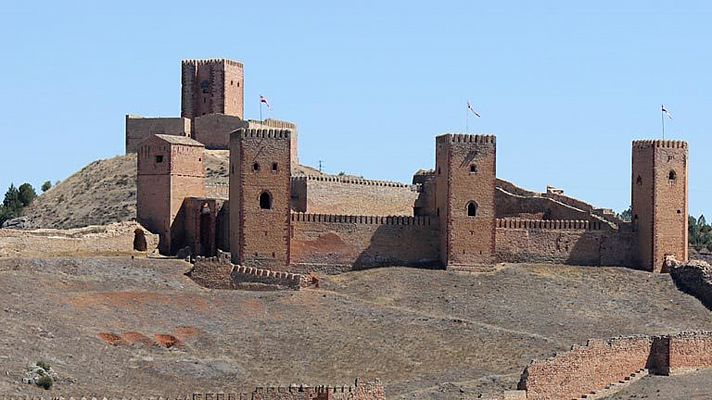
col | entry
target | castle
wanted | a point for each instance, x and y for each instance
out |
(280, 216)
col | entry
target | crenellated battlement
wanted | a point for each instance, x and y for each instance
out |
(353, 180)
(361, 219)
(671, 144)
(261, 133)
(514, 223)
(467, 138)
(207, 61)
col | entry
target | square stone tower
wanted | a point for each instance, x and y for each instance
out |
(260, 194)
(212, 87)
(465, 179)
(659, 200)
(169, 169)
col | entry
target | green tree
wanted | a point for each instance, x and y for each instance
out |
(26, 194)
(5, 214)
(627, 214)
(12, 202)
(46, 186)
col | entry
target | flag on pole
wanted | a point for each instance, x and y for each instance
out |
(665, 111)
(263, 100)
(469, 107)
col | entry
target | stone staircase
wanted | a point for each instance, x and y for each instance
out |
(614, 387)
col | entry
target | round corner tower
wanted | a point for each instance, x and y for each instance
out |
(659, 201)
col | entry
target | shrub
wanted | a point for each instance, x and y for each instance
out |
(46, 186)
(45, 382)
(45, 366)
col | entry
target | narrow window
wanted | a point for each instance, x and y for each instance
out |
(256, 167)
(672, 175)
(230, 83)
(472, 209)
(265, 201)
(159, 159)
(274, 167)
(639, 180)
(473, 169)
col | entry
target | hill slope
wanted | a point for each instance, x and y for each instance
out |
(104, 192)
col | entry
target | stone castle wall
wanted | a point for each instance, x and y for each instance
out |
(139, 129)
(363, 241)
(600, 363)
(351, 196)
(563, 242)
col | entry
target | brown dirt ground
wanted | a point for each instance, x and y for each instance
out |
(427, 334)
(694, 386)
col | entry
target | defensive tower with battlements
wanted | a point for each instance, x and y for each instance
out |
(659, 200)
(215, 86)
(260, 193)
(465, 177)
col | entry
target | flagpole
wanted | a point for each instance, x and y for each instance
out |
(662, 118)
(467, 120)
(260, 111)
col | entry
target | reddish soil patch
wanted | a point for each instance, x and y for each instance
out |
(137, 338)
(186, 332)
(110, 338)
(167, 341)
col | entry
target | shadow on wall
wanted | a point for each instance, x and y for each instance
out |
(389, 247)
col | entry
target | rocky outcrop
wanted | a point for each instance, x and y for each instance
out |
(693, 277)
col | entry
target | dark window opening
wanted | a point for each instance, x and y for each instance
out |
(256, 167)
(473, 169)
(265, 201)
(159, 159)
(639, 180)
(205, 86)
(472, 209)
(438, 170)
(200, 159)
(230, 83)
(274, 167)
(679, 211)
(672, 175)
(437, 212)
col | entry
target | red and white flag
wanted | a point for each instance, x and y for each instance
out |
(665, 111)
(264, 100)
(469, 107)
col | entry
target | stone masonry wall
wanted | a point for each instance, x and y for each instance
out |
(114, 239)
(563, 242)
(510, 205)
(139, 129)
(585, 368)
(352, 196)
(213, 130)
(689, 351)
(363, 241)
(591, 368)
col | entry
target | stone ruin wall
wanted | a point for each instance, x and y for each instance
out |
(564, 242)
(363, 241)
(359, 391)
(113, 239)
(352, 196)
(600, 363)
(219, 273)
(510, 205)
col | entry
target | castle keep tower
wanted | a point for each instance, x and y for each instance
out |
(260, 193)
(659, 200)
(170, 168)
(212, 87)
(465, 178)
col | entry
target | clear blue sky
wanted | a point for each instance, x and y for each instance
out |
(565, 85)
